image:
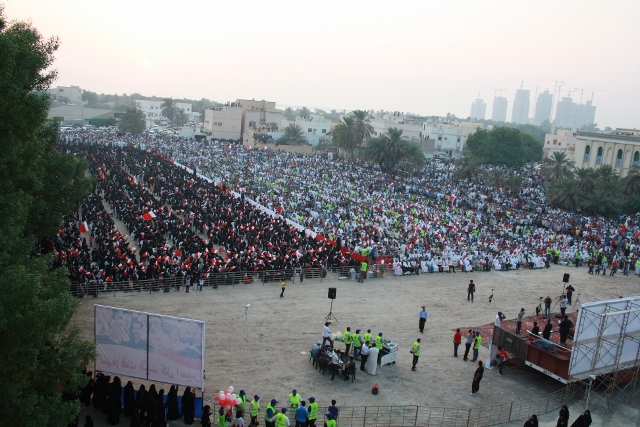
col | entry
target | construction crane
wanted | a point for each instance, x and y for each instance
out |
(582, 89)
(535, 99)
(557, 85)
(495, 91)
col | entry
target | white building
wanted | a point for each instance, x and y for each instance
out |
(562, 140)
(66, 94)
(410, 129)
(449, 137)
(224, 122)
(153, 110)
(314, 124)
(619, 148)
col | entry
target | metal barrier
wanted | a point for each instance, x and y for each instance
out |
(413, 415)
(232, 278)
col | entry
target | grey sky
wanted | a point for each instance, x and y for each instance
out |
(425, 57)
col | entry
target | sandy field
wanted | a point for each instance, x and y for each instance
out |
(263, 354)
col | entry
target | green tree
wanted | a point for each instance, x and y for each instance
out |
(293, 135)
(632, 182)
(565, 194)
(467, 168)
(133, 120)
(305, 112)
(586, 179)
(91, 98)
(390, 149)
(42, 356)
(345, 135)
(504, 146)
(290, 114)
(181, 118)
(169, 109)
(362, 126)
(557, 166)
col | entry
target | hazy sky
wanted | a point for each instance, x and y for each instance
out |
(424, 57)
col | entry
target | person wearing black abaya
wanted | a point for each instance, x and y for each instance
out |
(563, 417)
(87, 390)
(88, 421)
(172, 404)
(152, 406)
(129, 399)
(162, 415)
(141, 405)
(188, 406)
(104, 391)
(583, 420)
(115, 399)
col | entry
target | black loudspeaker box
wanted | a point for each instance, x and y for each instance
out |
(332, 293)
(565, 278)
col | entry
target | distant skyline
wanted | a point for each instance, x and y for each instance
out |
(429, 58)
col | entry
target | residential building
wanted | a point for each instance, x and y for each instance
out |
(543, 108)
(562, 140)
(259, 115)
(224, 122)
(520, 113)
(66, 95)
(566, 113)
(153, 110)
(315, 124)
(499, 112)
(586, 114)
(448, 138)
(411, 129)
(478, 109)
(619, 149)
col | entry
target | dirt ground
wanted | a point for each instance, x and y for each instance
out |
(262, 355)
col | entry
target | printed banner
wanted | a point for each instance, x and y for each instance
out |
(149, 346)
(175, 350)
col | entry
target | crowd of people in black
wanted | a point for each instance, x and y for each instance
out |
(145, 407)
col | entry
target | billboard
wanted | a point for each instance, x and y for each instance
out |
(149, 346)
(606, 337)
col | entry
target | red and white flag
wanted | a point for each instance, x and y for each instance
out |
(84, 227)
(149, 216)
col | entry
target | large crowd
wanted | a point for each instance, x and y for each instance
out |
(206, 220)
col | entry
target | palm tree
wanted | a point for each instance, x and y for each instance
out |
(601, 202)
(363, 126)
(632, 182)
(293, 135)
(607, 173)
(496, 177)
(467, 168)
(169, 109)
(586, 178)
(345, 135)
(512, 185)
(389, 149)
(557, 166)
(180, 118)
(133, 120)
(413, 157)
(565, 194)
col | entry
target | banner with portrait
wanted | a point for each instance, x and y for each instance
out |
(149, 346)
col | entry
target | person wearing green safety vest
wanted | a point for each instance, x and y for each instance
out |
(255, 409)
(313, 412)
(294, 399)
(331, 421)
(379, 341)
(363, 271)
(416, 353)
(270, 414)
(281, 419)
(346, 338)
(243, 403)
(367, 336)
(222, 418)
(357, 343)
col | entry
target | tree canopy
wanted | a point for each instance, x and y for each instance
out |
(391, 149)
(133, 120)
(293, 135)
(504, 146)
(42, 356)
